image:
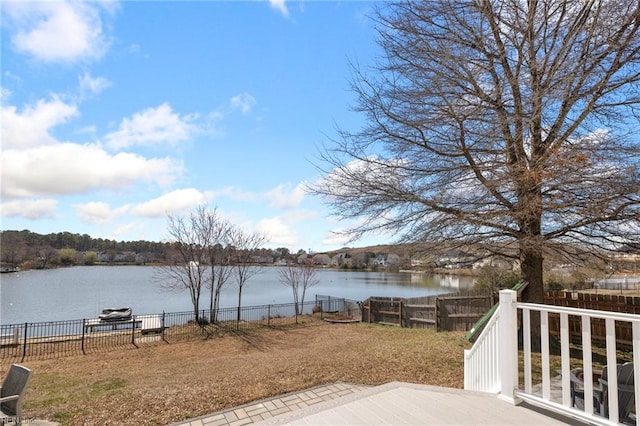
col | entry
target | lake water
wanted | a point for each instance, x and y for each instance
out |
(82, 292)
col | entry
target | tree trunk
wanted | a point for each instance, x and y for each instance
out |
(239, 304)
(195, 300)
(531, 269)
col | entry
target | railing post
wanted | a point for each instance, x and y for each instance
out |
(508, 345)
(269, 315)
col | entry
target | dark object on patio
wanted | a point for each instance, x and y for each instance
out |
(13, 389)
(115, 314)
(626, 391)
(577, 389)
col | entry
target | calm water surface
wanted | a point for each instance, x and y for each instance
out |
(82, 292)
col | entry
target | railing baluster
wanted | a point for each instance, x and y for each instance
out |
(612, 371)
(587, 367)
(544, 345)
(526, 343)
(564, 355)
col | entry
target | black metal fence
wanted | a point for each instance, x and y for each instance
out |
(53, 339)
(337, 305)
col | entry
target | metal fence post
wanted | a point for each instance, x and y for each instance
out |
(162, 326)
(269, 315)
(24, 343)
(133, 330)
(84, 329)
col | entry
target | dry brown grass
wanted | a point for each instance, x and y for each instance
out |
(172, 382)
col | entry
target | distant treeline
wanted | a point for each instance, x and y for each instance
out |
(32, 250)
(41, 251)
(77, 242)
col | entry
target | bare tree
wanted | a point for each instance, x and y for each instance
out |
(242, 245)
(185, 266)
(217, 229)
(44, 255)
(220, 273)
(299, 277)
(503, 124)
(13, 248)
(192, 263)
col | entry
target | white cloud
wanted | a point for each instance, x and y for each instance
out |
(12, 78)
(98, 212)
(92, 85)
(171, 202)
(279, 232)
(233, 193)
(68, 168)
(29, 209)
(5, 94)
(57, 31)
(244, 101)
(336, 237)
(285, 197)
(124, 229)
(152, 126)
(280, 6)
(30, 127)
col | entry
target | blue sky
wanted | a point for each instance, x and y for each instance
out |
(116, 114)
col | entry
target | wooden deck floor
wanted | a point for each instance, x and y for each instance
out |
(409, 404)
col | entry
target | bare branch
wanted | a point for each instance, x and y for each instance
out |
(507, 123)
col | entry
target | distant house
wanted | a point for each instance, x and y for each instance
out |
(113, 256)
(393, 259)
(456, 259)
(386, 260)
(361, 259)
(321, 259)
(341, 259)
(379, 260)
(627, 260)
(499, 262)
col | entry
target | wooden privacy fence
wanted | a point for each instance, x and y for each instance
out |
(603, 302)
(444, 312)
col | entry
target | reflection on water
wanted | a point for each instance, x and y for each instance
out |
(82, 292)
(440, 280)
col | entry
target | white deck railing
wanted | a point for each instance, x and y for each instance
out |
(491, 365)
(482, 361)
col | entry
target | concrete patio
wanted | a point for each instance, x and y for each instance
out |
(390, 404)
